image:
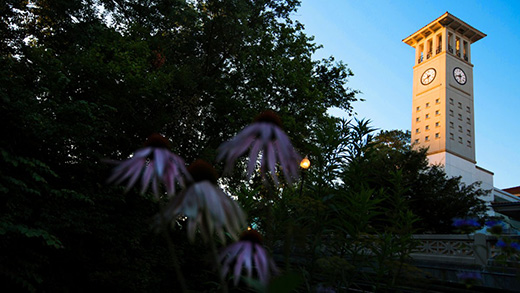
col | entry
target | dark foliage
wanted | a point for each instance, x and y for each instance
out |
(82, 81)
(430, 194)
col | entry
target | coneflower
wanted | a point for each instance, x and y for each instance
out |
(206, 206)
(250, 256)
(155, 164)
(264, 136)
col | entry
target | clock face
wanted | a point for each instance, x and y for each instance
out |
(428, 76)
(459, 75)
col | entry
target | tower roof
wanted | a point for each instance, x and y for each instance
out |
(446, 20)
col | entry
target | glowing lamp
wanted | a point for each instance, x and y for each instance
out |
(305, 163)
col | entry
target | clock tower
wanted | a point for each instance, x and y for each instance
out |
(442, 108)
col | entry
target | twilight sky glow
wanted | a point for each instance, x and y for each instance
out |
(367, 36)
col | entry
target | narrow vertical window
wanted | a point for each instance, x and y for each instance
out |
(457, 46)
(439, 43)
(450, 45)
(465, 51)
(429, 49)
(421, 53)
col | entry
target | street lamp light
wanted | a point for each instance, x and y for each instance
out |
(304, 164)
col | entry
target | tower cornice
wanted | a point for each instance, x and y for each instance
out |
(446, 20)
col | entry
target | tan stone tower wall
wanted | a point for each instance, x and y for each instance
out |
(442, 107)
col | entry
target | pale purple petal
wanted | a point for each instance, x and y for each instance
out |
(191, 204)
(155, 166)
(206, 206)
(133, 179)
(155, 186)
(271, 162)
(241, 259)
(134, 168)
(287, 155)
(251, 130)
(234, 218)
(285, 146)
(205, 195)
(120, 169)
(160, 157)
(287, 164)
(244, 145)
(266, 132)
(143, 153)
(233, 156)
(248, 261)
(261, 262)
(147, 176)
(229, 148)
(229, 255)
(169, 181)
(253, 155)
(175, 172)
(192, 224)
(212, 198)
(246, 256)
(268, 139)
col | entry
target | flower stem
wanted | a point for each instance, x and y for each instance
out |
(270, 196)
(176, 265)
(214, 252)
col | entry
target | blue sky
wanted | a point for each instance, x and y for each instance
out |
(367, 36)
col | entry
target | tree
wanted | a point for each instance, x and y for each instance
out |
(87, 80)
(431, 195)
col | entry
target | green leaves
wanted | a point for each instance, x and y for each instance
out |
(50, 240)
(97, 77)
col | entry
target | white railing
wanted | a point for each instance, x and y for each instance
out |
(461, 249)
